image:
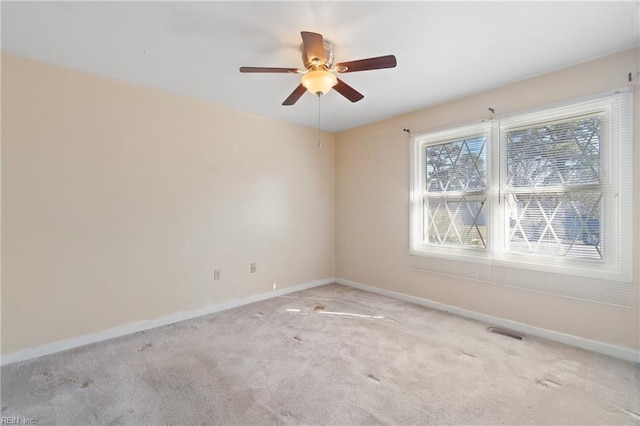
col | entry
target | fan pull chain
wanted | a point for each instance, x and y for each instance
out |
(319, 134)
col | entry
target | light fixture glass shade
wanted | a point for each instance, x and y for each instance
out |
(319, 81)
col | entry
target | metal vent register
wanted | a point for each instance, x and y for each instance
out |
(505, 332)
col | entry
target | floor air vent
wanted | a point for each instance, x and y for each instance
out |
(506, 332)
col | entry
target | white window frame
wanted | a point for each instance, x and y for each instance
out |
(616, 264)
(420, 142)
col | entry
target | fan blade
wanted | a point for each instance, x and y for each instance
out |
(380, 62)
(269, 69)
(347, 91)
(313, 46)
(295, 95)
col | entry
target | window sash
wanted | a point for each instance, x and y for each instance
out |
(422, 195)
(570, 228)
(455, 221)
(544, 149)
(560, 211)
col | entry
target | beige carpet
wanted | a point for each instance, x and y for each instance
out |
(330, 355)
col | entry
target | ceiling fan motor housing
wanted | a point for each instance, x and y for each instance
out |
(329, 55)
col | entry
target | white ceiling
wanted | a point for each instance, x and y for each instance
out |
(445, 50)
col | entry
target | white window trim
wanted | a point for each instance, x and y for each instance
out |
(617, 265)
(417, 196)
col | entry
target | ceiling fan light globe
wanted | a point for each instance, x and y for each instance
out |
(319, 81)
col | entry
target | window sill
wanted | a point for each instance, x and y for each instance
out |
(584, 269)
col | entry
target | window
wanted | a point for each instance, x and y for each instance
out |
(454, 198)
(553, 195)
(548, 190)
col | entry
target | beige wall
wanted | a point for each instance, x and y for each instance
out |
(372, 202)
(119, 201)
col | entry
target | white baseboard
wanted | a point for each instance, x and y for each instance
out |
(63, 345)
(621, 352)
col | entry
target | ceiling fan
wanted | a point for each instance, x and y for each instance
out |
(318, 75)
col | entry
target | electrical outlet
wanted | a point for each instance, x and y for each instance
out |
(253, 268)
(216, 274)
